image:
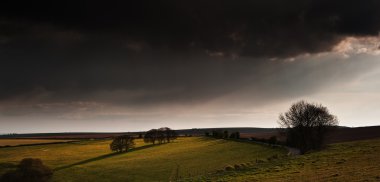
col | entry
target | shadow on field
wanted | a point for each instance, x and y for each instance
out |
(104, 157)
(7, 165)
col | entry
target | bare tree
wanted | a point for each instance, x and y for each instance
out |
(122, 143)
(306, 125)
(160, 136)
(169, 134)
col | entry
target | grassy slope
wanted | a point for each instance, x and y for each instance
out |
(92, 160)
(15, 142)
(54, 155)
(351, 161)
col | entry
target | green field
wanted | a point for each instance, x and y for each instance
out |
(200, 159)
(350, 161)
(15, 142)
(192, 157)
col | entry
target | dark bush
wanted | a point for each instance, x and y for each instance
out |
(272, 140)
(217, 134)
(29, 170)
(235, 135)
(225, 134)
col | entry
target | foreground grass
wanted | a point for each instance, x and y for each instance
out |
(351, 161)
(16, 142)
(54, 155)
(92, 160)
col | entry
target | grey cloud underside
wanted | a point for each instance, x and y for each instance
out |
(151, 52)
(188, 82)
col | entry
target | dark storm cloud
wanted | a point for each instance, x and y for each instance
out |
(156, 51)
(255, 28)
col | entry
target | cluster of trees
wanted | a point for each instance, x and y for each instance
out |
(122, 143)
(223, 134)
(160, 135)
(29, 170)
(126, 142)
(306, 125)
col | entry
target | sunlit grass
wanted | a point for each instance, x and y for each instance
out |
(351, 161)
(58, 155)
(93, 161)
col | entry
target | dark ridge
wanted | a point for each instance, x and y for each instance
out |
(99, 135)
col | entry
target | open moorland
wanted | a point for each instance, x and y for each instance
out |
(18, 142)
(185, 158)
(201, 159)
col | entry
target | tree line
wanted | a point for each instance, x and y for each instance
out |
(161, 135)
(223, 134)
(124, 143)
(305, 126)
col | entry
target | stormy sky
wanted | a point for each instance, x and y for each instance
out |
(135, 65)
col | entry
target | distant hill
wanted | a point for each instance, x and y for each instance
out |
(98, 135)
(68, 135)
(344, 134)
(202, 131)
(341, 134)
